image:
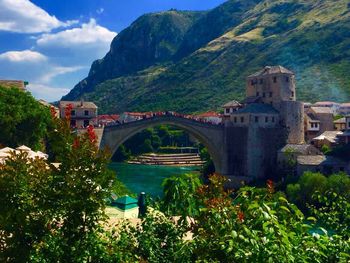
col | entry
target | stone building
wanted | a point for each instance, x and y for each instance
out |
(333, 106)
(317, 120)
(340, 124)
(19, 84)
(270, 117)
(344, 109)
(230, 107)
(83, 113)
(271, 102)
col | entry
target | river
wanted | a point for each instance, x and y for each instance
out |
(147, 178)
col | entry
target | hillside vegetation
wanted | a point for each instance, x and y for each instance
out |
(196, 61)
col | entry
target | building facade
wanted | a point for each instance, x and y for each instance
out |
(83, 113)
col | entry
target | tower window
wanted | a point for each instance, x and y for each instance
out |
(256, 119)
(274, 79)
(287, 79)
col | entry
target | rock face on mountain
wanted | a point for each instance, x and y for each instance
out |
(188, 62)
(151, 39)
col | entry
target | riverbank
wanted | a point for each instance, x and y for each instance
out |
(178, 159)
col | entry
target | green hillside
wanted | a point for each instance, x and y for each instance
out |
(208, 56)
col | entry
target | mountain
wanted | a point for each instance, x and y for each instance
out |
(188, 62)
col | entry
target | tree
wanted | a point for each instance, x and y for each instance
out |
(179, 195)
(53, 214)
(27, 206)
(23, 120)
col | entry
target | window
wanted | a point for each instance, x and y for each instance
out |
(273, 119)
(261, 81)
(270, 94)
(256, 119)
(235, 119)
(274, 79)
(287, 79)
(312, 125)
(263, 94)
(227, 110)
(72, 112)
(252, 82)
(293, 94)
(266, 119)
(242, 119)
(86, 123)
(86, 112)
(73, 123)
(257, 94)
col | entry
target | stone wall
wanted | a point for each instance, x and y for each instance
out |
(292, 117)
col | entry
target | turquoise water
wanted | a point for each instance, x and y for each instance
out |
(147, 178)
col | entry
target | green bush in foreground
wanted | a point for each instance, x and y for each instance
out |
(23, 120)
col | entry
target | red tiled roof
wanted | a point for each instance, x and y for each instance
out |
(208, 114)
(113, 117)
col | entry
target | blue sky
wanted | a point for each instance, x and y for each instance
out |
(52, 43)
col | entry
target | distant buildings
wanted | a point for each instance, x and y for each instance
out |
(83, 113)
(344, 109)
(210, 116)
(19, 84)
(107, 119)
(316, 121)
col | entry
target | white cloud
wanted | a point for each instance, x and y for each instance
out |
(23, 16)
(57, 61)
(100, 11)
(32, 66)
(88, 34)
(23, 56)
(46, 92)
(56, 71)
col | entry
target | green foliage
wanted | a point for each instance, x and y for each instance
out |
(332, 211)
(258, 225)
(25, 211)
(302, 192)
(179, 195)
(325, 149)
(51, 214)
(23, 120)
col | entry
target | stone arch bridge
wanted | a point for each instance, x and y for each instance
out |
(236, 152)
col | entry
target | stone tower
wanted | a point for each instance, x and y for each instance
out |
(275, 85)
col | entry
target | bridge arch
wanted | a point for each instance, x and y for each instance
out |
(210, 135)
